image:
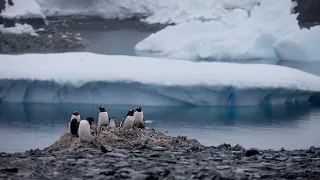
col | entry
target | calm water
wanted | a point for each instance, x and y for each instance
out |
(27, 126)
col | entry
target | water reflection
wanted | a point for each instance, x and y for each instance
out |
(31, 125)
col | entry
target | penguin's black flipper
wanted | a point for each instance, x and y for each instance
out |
(122, 121)
(74, 126)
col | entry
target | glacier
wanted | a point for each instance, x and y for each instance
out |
(130, 80)
(268, 31)
(152, 11)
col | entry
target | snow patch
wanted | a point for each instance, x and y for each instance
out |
(94, 78)
(19, 29)
(236, 36)
(23, 9)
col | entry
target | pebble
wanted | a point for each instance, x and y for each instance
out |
(158, 148)
(112, 154)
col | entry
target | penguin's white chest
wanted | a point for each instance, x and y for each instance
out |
(84, 131)
(103, 120)
(128, 122)
(112, 124)
(77, 117)
(138, 117)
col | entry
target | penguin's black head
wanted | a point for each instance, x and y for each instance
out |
(76, 113)
(102, 109)
(131, 112)
(90, 120)
(138, 109)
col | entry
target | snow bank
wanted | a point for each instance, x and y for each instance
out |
(236, 36)
(93, 78)
(19, 29)
(300, 46)
(23, 9)
(155, 11)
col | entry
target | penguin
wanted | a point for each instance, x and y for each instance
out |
(74, 123)
(76, 115)
(112, 124)
(103, 118)
(84, 130)
(127, 122)
(139, 118)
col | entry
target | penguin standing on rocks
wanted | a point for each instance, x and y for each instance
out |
(84, 130)
(112, 124)
(103, 118)
(74, 123)
(139, 118)
(127, 122)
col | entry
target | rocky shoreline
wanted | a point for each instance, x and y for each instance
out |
(49, 39)
(147, 154)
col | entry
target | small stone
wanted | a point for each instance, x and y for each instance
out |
(112, 154)
(10, 170)
(223, 167)
(251, 170)
(251, 152)
(122, 151)
(158, 148)
(107, 172)
(282, 158)
(121, 164)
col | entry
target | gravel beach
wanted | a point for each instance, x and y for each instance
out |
(147, 154)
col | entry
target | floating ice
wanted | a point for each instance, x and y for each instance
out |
(19, 29)
(269, 31)
(127, 80)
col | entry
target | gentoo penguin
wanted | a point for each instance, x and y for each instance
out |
(112, 124)
(84, 129)
(76, 115)
(138, 118)
(103, 118)
(127, 122)
(74, 123)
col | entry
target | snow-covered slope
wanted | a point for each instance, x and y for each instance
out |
(22, 9)
(270, 31)
(93, 78)
(155, 11)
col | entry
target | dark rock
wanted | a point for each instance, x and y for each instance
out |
(252, 152)
(309, 12)
(224, 146)
(158, 148)
(10, 170)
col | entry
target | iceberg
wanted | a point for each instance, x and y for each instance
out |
(152, 11)
(267, 32)
(23, 9)
(300, 46)
(18, 29)
(131, 80)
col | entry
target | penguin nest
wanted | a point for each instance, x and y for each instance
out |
(126, 139)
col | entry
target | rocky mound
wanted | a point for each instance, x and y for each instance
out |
(133, 139)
